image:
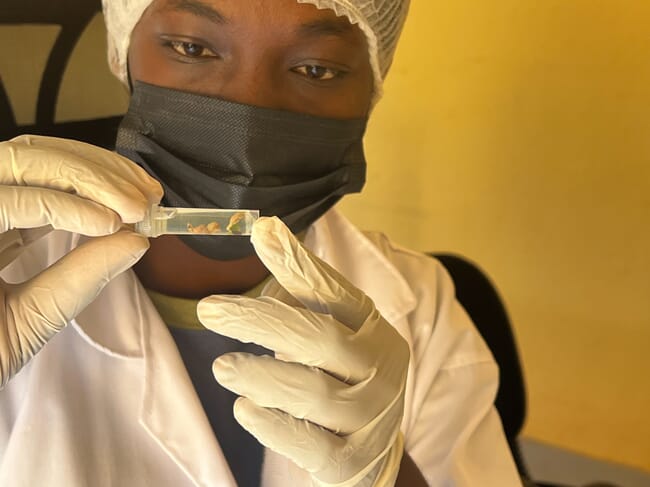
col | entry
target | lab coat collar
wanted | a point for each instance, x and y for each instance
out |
(359, 257)
(170, 410)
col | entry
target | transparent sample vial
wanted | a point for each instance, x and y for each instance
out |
(160, 220)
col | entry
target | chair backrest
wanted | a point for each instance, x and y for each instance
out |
(479, 297)
(72, 16)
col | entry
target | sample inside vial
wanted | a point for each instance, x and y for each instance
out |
(160, 220)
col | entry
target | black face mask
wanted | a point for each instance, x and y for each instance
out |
(211, 153)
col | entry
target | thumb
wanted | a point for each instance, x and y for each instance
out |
(45, 303)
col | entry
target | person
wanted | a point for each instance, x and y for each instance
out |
(341, 358)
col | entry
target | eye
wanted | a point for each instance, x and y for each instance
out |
(191, 49)
(318, 73)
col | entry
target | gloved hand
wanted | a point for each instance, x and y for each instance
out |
(48, 183)
(332, 399)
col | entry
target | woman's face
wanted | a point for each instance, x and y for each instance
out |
(269, 53)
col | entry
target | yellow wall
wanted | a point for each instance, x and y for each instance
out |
(518, 133)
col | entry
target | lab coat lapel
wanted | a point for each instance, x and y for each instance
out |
(339, 243)
(170, 410)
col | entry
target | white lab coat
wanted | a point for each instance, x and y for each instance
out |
(108, 402)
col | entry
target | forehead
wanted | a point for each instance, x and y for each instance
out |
(289, 14)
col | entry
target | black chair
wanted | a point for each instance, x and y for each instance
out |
(73, 16)
(482, 302)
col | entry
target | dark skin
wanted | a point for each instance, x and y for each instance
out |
(274, 54)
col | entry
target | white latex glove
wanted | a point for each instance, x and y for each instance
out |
(48, 183)
(333, 398)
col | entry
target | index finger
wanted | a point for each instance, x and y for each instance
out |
(312, 281)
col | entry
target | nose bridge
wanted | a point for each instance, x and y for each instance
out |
(254, 81)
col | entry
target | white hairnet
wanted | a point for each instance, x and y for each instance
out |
(380, 20)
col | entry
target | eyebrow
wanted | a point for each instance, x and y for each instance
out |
(326, 27)
(198, 8)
